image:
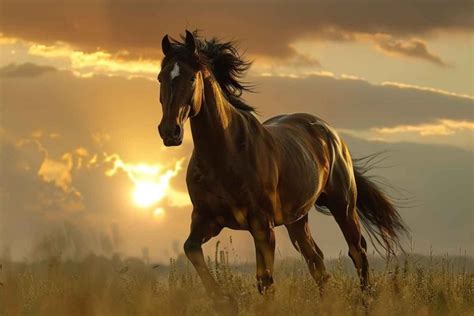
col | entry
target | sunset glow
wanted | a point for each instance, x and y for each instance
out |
(87, 64)
(152, 182)
(148, 193)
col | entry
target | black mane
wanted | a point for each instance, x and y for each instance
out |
(225, 63)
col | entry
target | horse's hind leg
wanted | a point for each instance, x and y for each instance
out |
(346, 217)
(301, 238)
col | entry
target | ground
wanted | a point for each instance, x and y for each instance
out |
(99, 285)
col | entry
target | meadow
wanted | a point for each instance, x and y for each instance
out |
(100, 285)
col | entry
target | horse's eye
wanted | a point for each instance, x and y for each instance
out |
(192, 78)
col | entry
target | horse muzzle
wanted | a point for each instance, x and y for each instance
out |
(172, 135)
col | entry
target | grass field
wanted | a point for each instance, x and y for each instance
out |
(411, 285)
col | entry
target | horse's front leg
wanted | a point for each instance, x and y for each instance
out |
(264, 239)
(203, 229)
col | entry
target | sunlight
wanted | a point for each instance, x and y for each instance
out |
(147, 193)
(152, 182)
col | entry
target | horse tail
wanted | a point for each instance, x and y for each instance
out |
(377, 212)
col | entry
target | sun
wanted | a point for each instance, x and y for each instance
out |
(151, 182)
(147, 193)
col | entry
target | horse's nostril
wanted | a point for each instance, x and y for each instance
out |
(177, 131)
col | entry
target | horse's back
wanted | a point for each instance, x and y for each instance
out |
(308, 130)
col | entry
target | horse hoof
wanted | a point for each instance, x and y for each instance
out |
(322, 281)
(267, 290)
(325, 278)
(226, 305)
(368, 290)
(265, 284)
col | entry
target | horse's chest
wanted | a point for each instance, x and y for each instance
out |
(224, 192)
(228, 196)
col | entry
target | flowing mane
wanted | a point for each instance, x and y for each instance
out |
(224, 61)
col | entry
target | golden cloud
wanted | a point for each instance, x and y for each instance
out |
(152, 182)
(283, 72)
(440, 128)
(454, 133)
(429, 89)
(87, 64)
(50, 170)
(59, 171)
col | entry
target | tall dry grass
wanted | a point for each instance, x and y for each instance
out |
(96, 285)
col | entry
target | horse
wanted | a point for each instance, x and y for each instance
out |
(248, 175)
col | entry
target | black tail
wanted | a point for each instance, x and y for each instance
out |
(377, 212)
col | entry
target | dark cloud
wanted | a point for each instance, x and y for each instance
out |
(129, 110)
(267, 27)
(409, 48)
(24, 70)
(356, 104)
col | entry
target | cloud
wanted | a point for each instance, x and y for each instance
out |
(122, 114)
(357, 104)
(134, 30)
(442, 127)
(412, 48)
(442, 132)
(296, 65)
(112, 109)
(301, 60)
(57, 171)
(87, 64)
(28, 202)
(428, 89)
(24, 70)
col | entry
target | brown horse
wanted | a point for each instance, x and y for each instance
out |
(251, 176)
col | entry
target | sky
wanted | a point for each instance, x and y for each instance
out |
(83, 169)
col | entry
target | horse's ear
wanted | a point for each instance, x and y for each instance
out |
(190, 42)
(166, 45)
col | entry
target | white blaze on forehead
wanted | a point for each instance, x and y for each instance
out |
(175, 72)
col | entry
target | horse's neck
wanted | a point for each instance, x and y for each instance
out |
(214, 127)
